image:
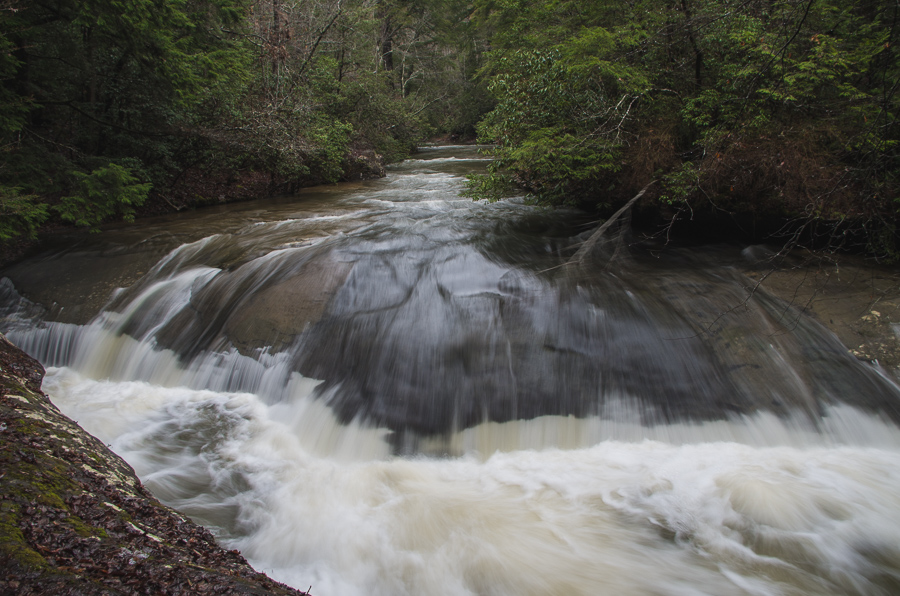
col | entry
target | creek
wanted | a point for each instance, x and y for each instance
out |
(384, 388)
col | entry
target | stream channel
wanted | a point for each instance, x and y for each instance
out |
(382, 388)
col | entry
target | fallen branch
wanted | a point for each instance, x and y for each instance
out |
(171, 204)
(595, 237)
(322, 34)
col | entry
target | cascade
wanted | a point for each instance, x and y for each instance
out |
(382, 387)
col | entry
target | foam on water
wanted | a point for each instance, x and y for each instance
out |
(448, 159)
(752, 506)
(756, 504)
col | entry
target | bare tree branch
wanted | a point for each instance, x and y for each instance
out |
(589, 244)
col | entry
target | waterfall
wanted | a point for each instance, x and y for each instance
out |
(383, 388)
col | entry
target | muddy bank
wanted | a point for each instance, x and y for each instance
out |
(75, 519)
(857, 300)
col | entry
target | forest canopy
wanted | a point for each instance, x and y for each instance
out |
(784, 110)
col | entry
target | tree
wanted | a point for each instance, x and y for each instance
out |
(781, 108)
(115, 86)
(178, 94)
(104, 192)
(565, 105)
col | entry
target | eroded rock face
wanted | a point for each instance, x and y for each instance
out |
(74, 518)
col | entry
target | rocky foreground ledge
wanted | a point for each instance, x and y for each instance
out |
(74, 518)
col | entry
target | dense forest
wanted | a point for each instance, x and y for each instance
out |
(740, 110)
(109, 103)
(772, 110)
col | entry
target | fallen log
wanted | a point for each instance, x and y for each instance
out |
(589, 244)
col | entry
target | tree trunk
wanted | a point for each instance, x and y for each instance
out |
(385, 39)
(276, 35)
(698, 55)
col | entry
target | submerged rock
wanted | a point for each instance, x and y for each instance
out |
(75, 519)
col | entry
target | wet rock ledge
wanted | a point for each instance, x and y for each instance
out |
(74, 518)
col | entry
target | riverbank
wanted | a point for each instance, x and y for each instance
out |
(75, 519)
(855, 299)
(198, 187)
(380, 387)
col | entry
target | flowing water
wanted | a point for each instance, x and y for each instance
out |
(384, 388)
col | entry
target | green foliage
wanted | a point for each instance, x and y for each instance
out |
(493, 186)
(179, 46)
(105, 192)
(738, 103)
(191, 92)
(789, 106)
(765, 72)
(679, 184)
(13, 107)
(20, 214)
(559, 127)
(88, 85)
(309, 107)
(563, 118)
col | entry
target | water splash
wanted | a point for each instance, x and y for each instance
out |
(713, 509)
(622, 430)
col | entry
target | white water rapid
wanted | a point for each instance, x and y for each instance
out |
(366, 393)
